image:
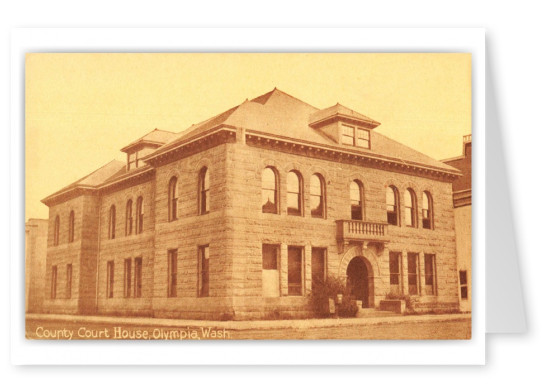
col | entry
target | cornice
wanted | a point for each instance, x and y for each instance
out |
(342, 154)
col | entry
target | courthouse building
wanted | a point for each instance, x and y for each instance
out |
(239, 216)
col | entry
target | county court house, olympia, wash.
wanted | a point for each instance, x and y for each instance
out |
(238, 216)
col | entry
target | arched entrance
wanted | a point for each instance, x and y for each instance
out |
(359, 280)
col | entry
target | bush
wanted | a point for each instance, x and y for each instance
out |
(322, 291)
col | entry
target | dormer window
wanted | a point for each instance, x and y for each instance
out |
(356, 136)
(132, 160)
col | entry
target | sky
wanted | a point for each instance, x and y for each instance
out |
(82, 108)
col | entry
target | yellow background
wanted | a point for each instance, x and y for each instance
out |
(80, 109)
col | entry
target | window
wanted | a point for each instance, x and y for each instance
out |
(53, 287)
(138, 277)
(358, 137)
(131, 160)
(172, 272)
(463, 284)
(413, 276)
(269, 190)
(71, 226)
(356, 206)
(139, 215)
(56, 231)
(294, 193)
(362, 139)
(110, 278)
(347, 135)
(173, 199)
(270, 270)
(127, 277)
(392, 205)
(395, 266)
(112, 222)
(319, 266)
(204, 187)
(427, 210)
(411, 208)
(203, 271)
(129, 223)
(317, 196)
(69, 281)
(269, 256)
(430, 274)
(294, 272)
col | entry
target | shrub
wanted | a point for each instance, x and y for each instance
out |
(322, 291)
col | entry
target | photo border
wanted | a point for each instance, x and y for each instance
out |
(260, 352)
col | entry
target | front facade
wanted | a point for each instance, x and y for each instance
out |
(240, 215)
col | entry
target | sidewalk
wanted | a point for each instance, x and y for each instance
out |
(249, 324)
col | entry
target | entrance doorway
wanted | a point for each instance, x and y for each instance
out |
(358, 281)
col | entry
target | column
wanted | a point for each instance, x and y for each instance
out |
(421, 261)
(283, 268)
(307, 269)
(404, 269)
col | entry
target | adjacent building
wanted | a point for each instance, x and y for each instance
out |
(239, 216)
(462, 203)
(36, 235)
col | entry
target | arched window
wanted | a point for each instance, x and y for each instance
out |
(112, 222)
(173, 199)
(72, 226)
(269, 190)
(392, 205)
(56, 231)
(411, 208)
(427, 210)
(139, 215)
(356, 204)
(317, 196)
(204, 187)
(294, 193)
(129, 224)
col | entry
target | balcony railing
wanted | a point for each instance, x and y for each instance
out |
(467, 138)
(356, 230)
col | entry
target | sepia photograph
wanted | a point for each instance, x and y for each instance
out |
(235, 196)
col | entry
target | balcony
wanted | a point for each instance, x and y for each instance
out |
(361, 231)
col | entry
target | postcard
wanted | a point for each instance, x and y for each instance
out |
(229, 196)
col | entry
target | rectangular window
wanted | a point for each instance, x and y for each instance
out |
(294, 276)
(347, 135)
(172, 272)
(395, 263)
(132, 160)
(69, 281)
(413, 277)
(53, 287)
(269, 256)
(362, 138)
(203, 271)
(137, 277)
(110, 278)
(463, 284)
(270, 270)
(127, 277)
(319, 266)
(430, 274)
